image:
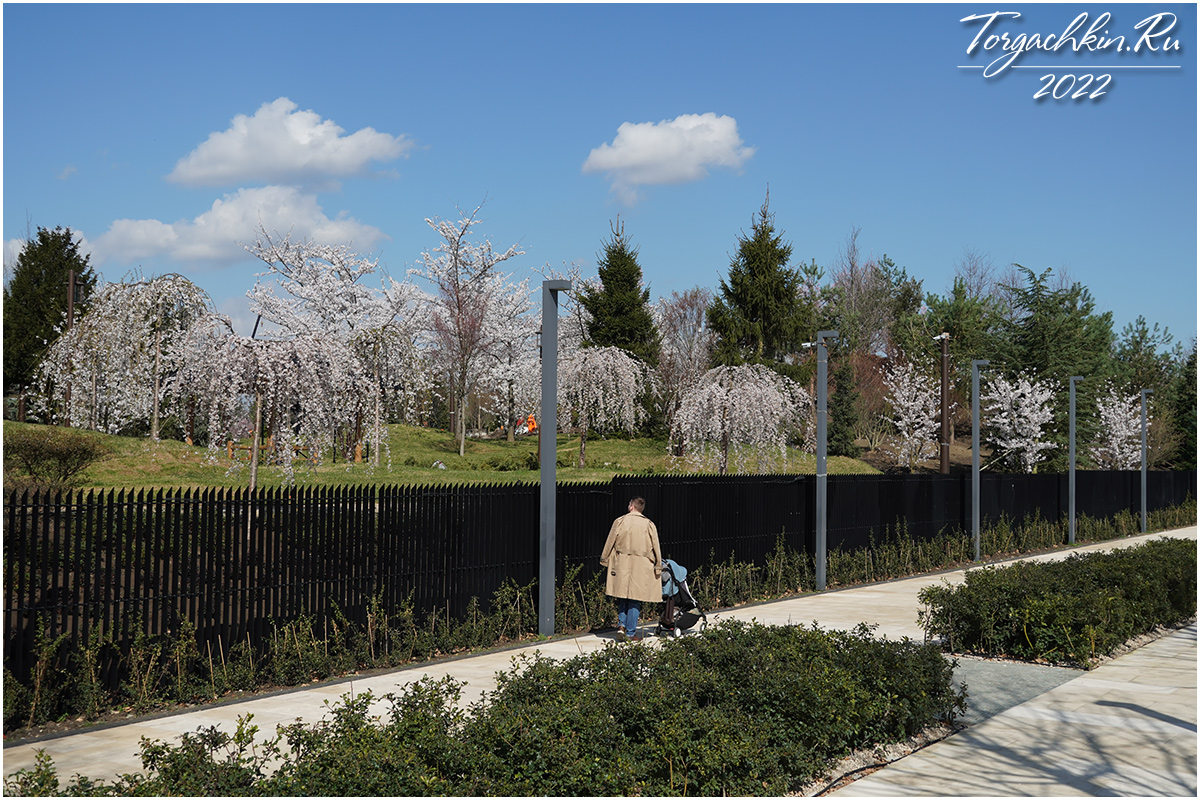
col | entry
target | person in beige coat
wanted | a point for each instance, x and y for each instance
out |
(634, 561)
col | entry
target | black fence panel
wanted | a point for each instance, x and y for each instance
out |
(235, 563)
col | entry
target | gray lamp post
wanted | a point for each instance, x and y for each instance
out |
(1144, 456)
(547, 451)
(1071, 471)
(975, 365)
(822, 442)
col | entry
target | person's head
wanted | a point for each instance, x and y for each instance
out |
(637, 504)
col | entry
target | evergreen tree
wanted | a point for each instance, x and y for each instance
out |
(1054, 334)
(619, 306)
(35, 300)
(1143, 359)
(1184, 413)
(758, 318)
(843, 411)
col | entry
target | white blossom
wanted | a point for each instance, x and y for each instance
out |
(599, 388)
(1118, 443)
(470, 297)
(117, 362)
(1016, 414)
(686, 346)
(914, 401)
(318, 290)
(734, 416)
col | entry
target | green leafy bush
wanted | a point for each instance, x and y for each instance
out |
(1066, 611)
(50, 458)
(741, 709)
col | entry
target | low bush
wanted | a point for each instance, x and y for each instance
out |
(44, 457)
(741, 709)
(1066, 611)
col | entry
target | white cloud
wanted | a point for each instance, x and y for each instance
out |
(67, 172)
(282, 145)
(672, 151)
(211, 239)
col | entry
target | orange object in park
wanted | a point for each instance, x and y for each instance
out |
(532, 423)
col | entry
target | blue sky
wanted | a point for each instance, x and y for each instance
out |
(163, 133)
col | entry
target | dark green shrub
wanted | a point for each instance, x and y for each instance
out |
(51, 457)
(742, 709)
(297, 655)
(17, 699)
(1072, 610)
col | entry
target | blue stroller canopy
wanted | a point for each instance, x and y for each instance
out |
(673, 574)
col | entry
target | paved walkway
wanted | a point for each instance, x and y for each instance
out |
(1127, 728)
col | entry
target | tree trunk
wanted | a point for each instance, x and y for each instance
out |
(157, 381)
(724, 440)
(376, 439)
(582, 439)
(462, 426)
(254, 439)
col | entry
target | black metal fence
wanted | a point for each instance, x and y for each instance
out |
(233, 562)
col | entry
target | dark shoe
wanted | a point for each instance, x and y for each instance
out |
(637, 637)
(621, 635)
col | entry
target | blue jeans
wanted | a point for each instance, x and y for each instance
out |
(627, 613)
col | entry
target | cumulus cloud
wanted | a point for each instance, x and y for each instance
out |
(679, 150)
(280, 144)
(211, 239)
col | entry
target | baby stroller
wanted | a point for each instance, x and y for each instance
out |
(680, 612)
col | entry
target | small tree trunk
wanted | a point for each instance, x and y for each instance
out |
(377, 439)
(254, 439)
(583, 439)
(157, 381)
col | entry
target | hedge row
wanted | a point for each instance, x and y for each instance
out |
(740, 709)
(1066, 611)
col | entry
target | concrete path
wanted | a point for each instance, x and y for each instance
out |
(1146, 699)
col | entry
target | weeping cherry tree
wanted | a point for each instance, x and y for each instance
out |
(737, 415)
(599, 387)
(318, 290)
(117, 360)
(302, 389)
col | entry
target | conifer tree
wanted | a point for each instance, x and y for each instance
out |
(758, 317)
(35, 300)
(1184, 413)
(620, 305)
(843, 411)
(1054, 334)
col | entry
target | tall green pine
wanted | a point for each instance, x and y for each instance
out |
(843, 411)
(1185, 413)
(35, 300)
(758, 317)
(1057, 334)
(620, 306)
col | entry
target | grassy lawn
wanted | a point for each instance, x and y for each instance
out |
(140, 463)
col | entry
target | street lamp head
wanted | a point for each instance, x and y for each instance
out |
(941, 336)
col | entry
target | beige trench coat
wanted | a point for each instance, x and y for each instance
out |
(634, 559)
